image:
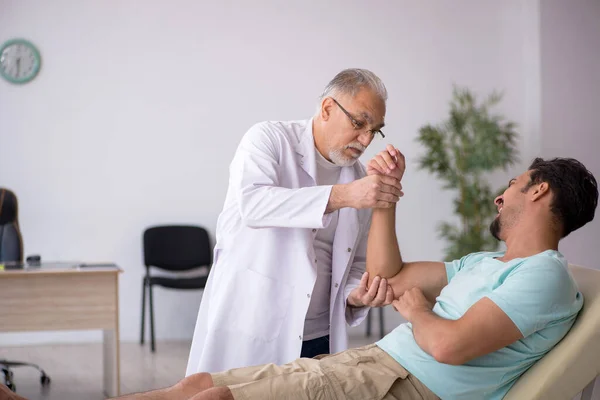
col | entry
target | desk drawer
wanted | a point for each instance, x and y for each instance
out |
(31, 302)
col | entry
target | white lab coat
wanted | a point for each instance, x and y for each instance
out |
(264, 268)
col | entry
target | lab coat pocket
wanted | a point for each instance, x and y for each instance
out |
(262, 305)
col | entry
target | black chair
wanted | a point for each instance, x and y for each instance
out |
(381, 323)
(173, 248)
(11, 250)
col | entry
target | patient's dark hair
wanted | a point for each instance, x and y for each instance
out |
(574, 189)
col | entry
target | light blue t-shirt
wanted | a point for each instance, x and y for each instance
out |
(537, 293)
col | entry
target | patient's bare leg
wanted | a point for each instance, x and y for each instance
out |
(218, 393)
(191, 385)
(185, 389)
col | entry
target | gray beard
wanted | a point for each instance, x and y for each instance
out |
(340, 159)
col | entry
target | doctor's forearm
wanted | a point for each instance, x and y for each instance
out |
(383, 253)
(337, 198)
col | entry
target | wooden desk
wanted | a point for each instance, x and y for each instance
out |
(65, 297)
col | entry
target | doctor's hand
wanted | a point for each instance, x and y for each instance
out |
(374, 191)
(378, 295)
(389, 162)
(411, 302)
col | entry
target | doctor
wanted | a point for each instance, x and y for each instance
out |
(289, 262)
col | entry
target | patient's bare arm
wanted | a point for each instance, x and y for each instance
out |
(383, 253)
(384, 259)
(483, 329)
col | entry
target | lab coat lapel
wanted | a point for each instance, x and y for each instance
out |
(305, 150)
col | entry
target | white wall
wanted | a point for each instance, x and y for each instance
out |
(139, 107)
(570, 74)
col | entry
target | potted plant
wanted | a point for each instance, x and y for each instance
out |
(461, 151)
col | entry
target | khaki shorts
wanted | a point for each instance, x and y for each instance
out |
(364, 373)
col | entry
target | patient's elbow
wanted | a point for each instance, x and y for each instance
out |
(381, 269)
(445, 353)
(372, 268)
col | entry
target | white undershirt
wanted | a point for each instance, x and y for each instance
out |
(317, 317)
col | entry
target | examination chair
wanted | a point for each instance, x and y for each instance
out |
(572, 366)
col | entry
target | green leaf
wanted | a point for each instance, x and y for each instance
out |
(459, 151)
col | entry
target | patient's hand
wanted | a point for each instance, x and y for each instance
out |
(378, 295)
(388, 162)
(411, 302)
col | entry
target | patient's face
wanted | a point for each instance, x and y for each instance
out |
(510, 205)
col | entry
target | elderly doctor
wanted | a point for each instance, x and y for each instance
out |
(289, 261)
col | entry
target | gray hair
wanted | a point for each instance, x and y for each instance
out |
(350, 81)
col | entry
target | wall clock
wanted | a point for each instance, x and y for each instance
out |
(20, 61)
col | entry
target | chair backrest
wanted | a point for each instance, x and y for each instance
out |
(11, 242)
(575, 360)
(177, 247)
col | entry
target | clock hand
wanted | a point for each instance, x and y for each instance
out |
(18, 66)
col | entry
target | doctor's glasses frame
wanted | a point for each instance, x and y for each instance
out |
(357, 124)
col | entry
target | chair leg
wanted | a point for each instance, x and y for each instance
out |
(369, 323)
(152, 344)
(381, 323)
(143, 310)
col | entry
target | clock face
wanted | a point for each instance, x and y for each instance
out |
(19, 61)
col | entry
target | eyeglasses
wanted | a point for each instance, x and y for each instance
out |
(358, 124)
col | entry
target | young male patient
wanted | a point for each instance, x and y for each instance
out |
(474, 325)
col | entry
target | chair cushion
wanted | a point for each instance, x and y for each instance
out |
(575, 360)
(179, 283)
(177, 247)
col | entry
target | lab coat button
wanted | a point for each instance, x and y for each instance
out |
(337, 284)
(349, 249)
(308, 295)
(300, 337)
